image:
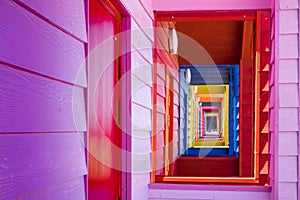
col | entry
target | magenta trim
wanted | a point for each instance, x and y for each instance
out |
(298, 99)
(276, 100)
(195, 5)
(126, 96)
(167, 186)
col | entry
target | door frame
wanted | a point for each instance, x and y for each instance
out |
(119, 12)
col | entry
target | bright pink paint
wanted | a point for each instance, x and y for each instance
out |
(209, 187)
(195, 5)
(298, 189)
(275, 190)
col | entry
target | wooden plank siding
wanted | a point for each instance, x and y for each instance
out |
(43, 109)
(39, 161)
(288, 100)
(31, 43)
(67, 15)
(142, 38)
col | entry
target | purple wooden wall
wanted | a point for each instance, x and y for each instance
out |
(42, 106)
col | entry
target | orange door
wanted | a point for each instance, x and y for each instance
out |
(104, 131)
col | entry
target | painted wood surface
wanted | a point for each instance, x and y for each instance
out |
(288, 71)
(32, 103)
(141, 85)
(288, 91)
(68, 190)
(180, 194)
(33, 44)
(147, 5)
(68, 15)
(104, 109)
(34, 162)
(43, 123)
(192, 5)
(288, 4)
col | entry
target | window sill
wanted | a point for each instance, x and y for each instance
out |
(207, 187)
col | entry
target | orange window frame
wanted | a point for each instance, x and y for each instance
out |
(262, 53)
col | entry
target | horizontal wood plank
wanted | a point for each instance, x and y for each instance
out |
(38, 161)
(69, 190)
(287, 169)
(141, 92)
(68, 15)
(31, 103)
(288, 71)
(288, 4)
(288, 96)
(288, 21)
(33, 44)
(288, 144)
(288, 119)
(287, 191)
(141, 117)
(288, 46)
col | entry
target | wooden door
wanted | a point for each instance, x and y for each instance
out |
(104, 123)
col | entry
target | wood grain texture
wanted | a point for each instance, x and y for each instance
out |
(31, 43)
(31, 103)
(69, 190)
(68, 15)
(31, 162)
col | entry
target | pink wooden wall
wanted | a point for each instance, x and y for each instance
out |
(141, 86)
(195, 5)
(288, 107)
(41, 52)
